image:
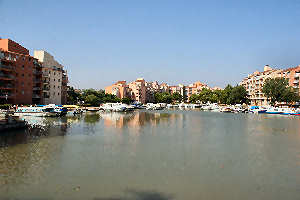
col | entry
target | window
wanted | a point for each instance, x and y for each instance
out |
(58, 80)
(22, 83)
(23, 92)
(53, 79)
(23, 66)
(57, 93)
(23, 75)
(23, 58)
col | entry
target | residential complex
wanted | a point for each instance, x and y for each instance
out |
(54, 76)
(23, 77)
(20, 75)
(143, 92)
(254, 82)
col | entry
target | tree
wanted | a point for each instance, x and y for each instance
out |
(72, 96)
(177, 97)
(92, 100)
(163, 97)
(194, 98)
(278, 91)
(238, 95)
(205, 95)
(126, 100)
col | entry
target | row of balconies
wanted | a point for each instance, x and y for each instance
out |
(6, 76)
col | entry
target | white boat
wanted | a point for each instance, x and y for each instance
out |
(153, 106)
(274, 110)
(36, 111)
(117, 107)
(60, 110)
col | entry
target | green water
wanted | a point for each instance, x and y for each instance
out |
(153, 156)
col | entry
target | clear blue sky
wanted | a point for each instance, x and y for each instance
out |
(100, 42)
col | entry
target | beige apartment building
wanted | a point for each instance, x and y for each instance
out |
(143, 92)
(254, 82)
(54, 78)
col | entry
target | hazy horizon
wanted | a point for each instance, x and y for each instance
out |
(101, 42)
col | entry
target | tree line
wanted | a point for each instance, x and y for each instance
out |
(276, 90)
(91, 97)
(230, 95)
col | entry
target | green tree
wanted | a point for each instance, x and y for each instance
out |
(163, 97)
(72, 96)
(92, 100)
(238, 95)
(278, 91)
(177, 97)
(194, 98)
(205, 95)
(126, 100)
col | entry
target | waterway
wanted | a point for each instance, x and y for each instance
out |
(153, 155)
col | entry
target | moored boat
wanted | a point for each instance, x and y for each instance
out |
(35, 111)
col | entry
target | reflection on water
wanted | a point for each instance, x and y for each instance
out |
(153, 155)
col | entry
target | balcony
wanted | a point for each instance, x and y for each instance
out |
(37, 72)
(37, 80)
(46, 88)
(296, 81)
(9, 95)
(36, 96)
(37, 88)
(6, 76)
(46, 96)
(6, 86)
(6, 68)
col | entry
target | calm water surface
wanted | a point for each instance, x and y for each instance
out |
(153, 156)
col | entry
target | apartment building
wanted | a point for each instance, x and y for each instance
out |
(143, 91)
(20, 75)
(254, 82)
(54, 78)
(138, 90)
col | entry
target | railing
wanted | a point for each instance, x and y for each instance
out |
(7, 76)
(36, 96)
(46, 96)
(37, 72)
(10, 95)
(37, 88)
(10, 86)
(6, 67)
(37, 80)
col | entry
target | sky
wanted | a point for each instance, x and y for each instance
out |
(100, 42)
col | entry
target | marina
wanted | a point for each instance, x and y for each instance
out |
(171, 153)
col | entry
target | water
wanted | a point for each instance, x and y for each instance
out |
(158, 155)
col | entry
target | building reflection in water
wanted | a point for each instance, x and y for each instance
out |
(137, 120)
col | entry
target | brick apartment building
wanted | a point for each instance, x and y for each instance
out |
(23, 79)
(20, 75)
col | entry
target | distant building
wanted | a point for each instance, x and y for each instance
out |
(253, 83)
(54, 78)
(142, 91)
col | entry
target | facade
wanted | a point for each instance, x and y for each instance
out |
(20, 75)
(254, 82)
(143, 92)
(54, 78)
